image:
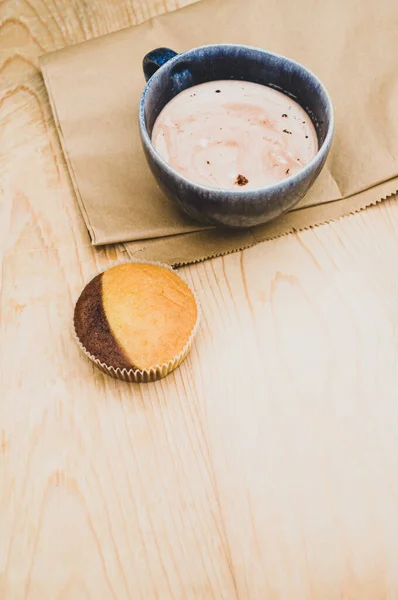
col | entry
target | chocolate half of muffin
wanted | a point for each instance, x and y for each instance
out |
(135, 316)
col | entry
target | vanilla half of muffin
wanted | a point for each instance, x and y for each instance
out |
(135, 316)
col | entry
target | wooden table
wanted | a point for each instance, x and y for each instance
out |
(265, 468)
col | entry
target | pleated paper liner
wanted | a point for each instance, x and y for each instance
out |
(155, 372)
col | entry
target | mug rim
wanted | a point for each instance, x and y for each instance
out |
(277, 186)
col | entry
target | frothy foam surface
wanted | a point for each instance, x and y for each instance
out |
(234, 135)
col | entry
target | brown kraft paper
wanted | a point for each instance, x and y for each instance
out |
(95, 88)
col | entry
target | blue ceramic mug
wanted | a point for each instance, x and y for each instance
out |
(168, 73)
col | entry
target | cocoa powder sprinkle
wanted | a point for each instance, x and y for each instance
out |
(241, 180)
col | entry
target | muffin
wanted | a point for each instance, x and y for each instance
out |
(136, 321)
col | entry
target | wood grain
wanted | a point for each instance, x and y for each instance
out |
(264, 468)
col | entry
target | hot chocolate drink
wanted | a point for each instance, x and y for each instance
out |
(234, 135)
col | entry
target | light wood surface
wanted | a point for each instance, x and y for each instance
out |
(265, 468)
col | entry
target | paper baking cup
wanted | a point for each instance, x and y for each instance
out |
(157, 371)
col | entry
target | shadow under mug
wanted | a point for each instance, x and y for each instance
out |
(168, 73)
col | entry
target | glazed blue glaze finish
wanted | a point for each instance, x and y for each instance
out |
(155, 59)
(169, 73)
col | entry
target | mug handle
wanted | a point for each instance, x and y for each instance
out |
(155, 59)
